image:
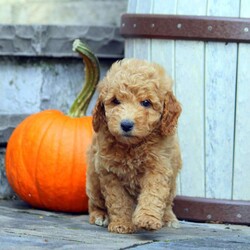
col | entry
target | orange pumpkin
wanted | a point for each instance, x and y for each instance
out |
(46, 163)
(46, 153)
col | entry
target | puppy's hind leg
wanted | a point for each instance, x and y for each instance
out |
(169, 218)
(97, 209)
(97, 215)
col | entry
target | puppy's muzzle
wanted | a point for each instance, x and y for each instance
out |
(127, 125)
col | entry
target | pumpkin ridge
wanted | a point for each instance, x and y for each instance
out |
(16, 170)
(50, 123)
(73, 163)
(62, 127)
(22, 155)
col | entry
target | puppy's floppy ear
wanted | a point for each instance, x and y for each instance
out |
(171, 113)
(98, 115)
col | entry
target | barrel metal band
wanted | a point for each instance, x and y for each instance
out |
(181, 27)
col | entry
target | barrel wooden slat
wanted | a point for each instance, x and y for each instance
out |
(212, 83)
(241, 177)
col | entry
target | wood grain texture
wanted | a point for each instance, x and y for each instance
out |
(129, 42)
(220, 81)
(241, 187)
(211, 81)
(142, 47)
(163, 51)
(25, 228)
(189, 70)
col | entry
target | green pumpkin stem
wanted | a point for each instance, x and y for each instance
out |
(92, 76)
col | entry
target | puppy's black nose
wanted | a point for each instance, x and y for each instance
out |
(127, 125)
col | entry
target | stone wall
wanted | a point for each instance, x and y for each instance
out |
(38, 68)
(70, 12)
(29, 85)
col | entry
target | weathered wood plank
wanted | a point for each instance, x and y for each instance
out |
(189, 70)
(132, 6)
(24, 228)
(142, 47)
(221, 64)
(241, 187)
(129, 42)
(163, 51)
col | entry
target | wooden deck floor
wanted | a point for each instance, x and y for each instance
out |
(25, 228)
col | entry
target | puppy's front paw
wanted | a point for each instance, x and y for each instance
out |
(147, 222)
(121, 227)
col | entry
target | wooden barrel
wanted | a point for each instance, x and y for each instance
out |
(203, 45)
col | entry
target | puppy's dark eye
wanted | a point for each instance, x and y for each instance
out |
(116, 101)
(146, 103)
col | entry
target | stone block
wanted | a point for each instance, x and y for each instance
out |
(31, 85)
(56, 41)
(6, 191)
(59, 12)
(20, 84)
(5, 13)
(8, 123)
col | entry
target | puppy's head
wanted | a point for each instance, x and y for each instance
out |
(136, 99)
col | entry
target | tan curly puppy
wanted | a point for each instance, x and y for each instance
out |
(135, 157)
